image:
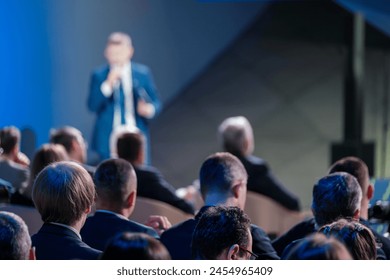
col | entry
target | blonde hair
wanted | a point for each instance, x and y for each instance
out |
(62, 192)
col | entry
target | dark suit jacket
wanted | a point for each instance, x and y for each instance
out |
(102, 226)
(151, 184)
(307, 227)
(54, 242)
(178, 240)
(104, 107)
(261, 180)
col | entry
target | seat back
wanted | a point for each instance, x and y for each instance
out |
(30, 216)
(270, 215)
(145, 207)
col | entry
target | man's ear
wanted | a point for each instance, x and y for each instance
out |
(233, 252)
(130, 201)
(32, 255)
(356, 215)
(88, 210)
(370, 191)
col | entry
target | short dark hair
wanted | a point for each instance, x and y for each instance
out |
(9, 138)
(337, 195)
(114, 180)
(354, 166)
(358, 238)
(129, 145)
(65, 136)
(219, 228)
(317, 246)
(46, 154)
(135, 246)
(219, 172)
(15, 241)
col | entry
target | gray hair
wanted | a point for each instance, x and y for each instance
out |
(15, 241)
(235, 135)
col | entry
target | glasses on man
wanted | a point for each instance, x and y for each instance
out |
(252, 256)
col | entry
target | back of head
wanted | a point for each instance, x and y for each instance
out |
(318, 247)
(46, 154)
(130, 146)
(114, 180)
(236, 136)
(62, 192)
(15, 241)
(67, 136)
(354, 166)
(9, 138)
(358, 238)
(220, 172)
(335, 196)
(217, 230)
(135, 246)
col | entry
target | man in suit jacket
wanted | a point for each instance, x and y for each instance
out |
(121, 93)
(335, 196)
(236, 137)
(63, 193)
(223, 183)
(151, 183)
(116, 187)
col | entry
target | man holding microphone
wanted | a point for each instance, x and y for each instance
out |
(122, 93)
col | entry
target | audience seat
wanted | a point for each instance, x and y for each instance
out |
(145, 207)
(271, 216)
(30, 215)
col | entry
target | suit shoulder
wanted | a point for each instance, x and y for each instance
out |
(141, 68)
(100, 70)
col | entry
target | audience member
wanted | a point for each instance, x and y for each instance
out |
(358, 168)
(318, 247)
(236, 137)
(151, 183)
(223, 183)
(73, 141)
(46, 154)
(358, 238)
(135, 246)
(15, 241)
(222, 233)
(13, 164)
(116, 187)
(63, 193)
(335, 196)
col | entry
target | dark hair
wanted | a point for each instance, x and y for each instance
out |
(219, 172)
(218, 229)
(135, 246)
(129, 145)
(9, 138)
(354, 166)
(65, 136)
(46, 154)
(318, 247)
(358, 238)
(114, 180)
(335, 196)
